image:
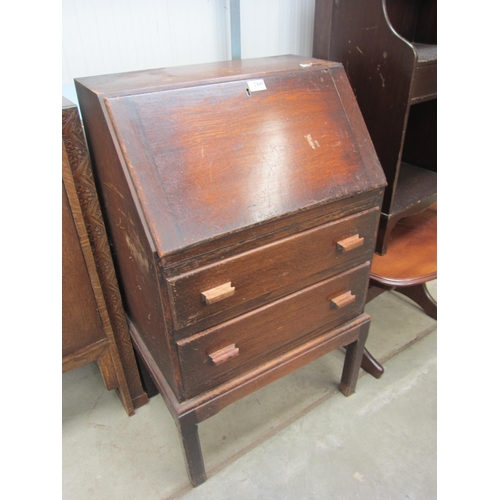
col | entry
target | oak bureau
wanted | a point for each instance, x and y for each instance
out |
(242, 200)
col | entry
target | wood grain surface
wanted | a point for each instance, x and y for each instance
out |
(412, 251)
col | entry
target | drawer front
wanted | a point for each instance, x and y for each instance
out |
(218, 354)
(236, 285)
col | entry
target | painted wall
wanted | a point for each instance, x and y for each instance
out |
(111, 36)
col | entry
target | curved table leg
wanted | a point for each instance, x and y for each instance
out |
(421, 296)
(418, 293)
(371, 365)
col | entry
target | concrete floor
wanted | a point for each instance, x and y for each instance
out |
(298, 438)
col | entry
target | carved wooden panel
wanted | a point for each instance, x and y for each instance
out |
(79, 160)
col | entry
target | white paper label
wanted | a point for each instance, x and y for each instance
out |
(256, 85)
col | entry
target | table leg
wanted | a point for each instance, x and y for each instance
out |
(188, 432)
(421, 296)
(352, 362)
(371, 365)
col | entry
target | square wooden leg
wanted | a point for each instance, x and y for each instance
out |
(352, 362)
(188, 432)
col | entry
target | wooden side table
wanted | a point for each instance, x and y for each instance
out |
(409, 264)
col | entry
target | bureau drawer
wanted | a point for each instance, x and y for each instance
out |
(231, 287)
(218, 354)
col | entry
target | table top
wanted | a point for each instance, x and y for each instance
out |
(411, 256)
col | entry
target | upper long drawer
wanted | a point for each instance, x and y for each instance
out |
(231, 287)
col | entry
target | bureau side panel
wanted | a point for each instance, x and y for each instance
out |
(135, 259)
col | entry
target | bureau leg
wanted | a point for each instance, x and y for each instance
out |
(352, 362)
(188, 431)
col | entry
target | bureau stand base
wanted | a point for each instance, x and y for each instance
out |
(188, 414)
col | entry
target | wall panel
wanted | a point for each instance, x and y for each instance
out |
(111, 36)
(276, 27)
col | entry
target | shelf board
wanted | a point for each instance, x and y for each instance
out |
(416, 190)
(426, 53)
(424, 85)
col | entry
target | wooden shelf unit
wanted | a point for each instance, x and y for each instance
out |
(389, 51)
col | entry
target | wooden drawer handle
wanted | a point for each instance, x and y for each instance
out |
(343, 300)
(218, 293)
(350, 243)
(225, 354)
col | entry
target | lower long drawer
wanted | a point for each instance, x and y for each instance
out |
(220, 353)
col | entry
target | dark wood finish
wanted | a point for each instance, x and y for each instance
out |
(353, 358)
(410, 263)
(147, 380)
(271, 271)
(424, 86)
(291, 320)
(190, 441)
(412, 255)
(86, 329)
(225, 208)
(371, 365)
(85, 337)
(159, 137)
(389, 51)
(208, 404)
(77, 289)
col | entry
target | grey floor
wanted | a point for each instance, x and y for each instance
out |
(298, 438)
